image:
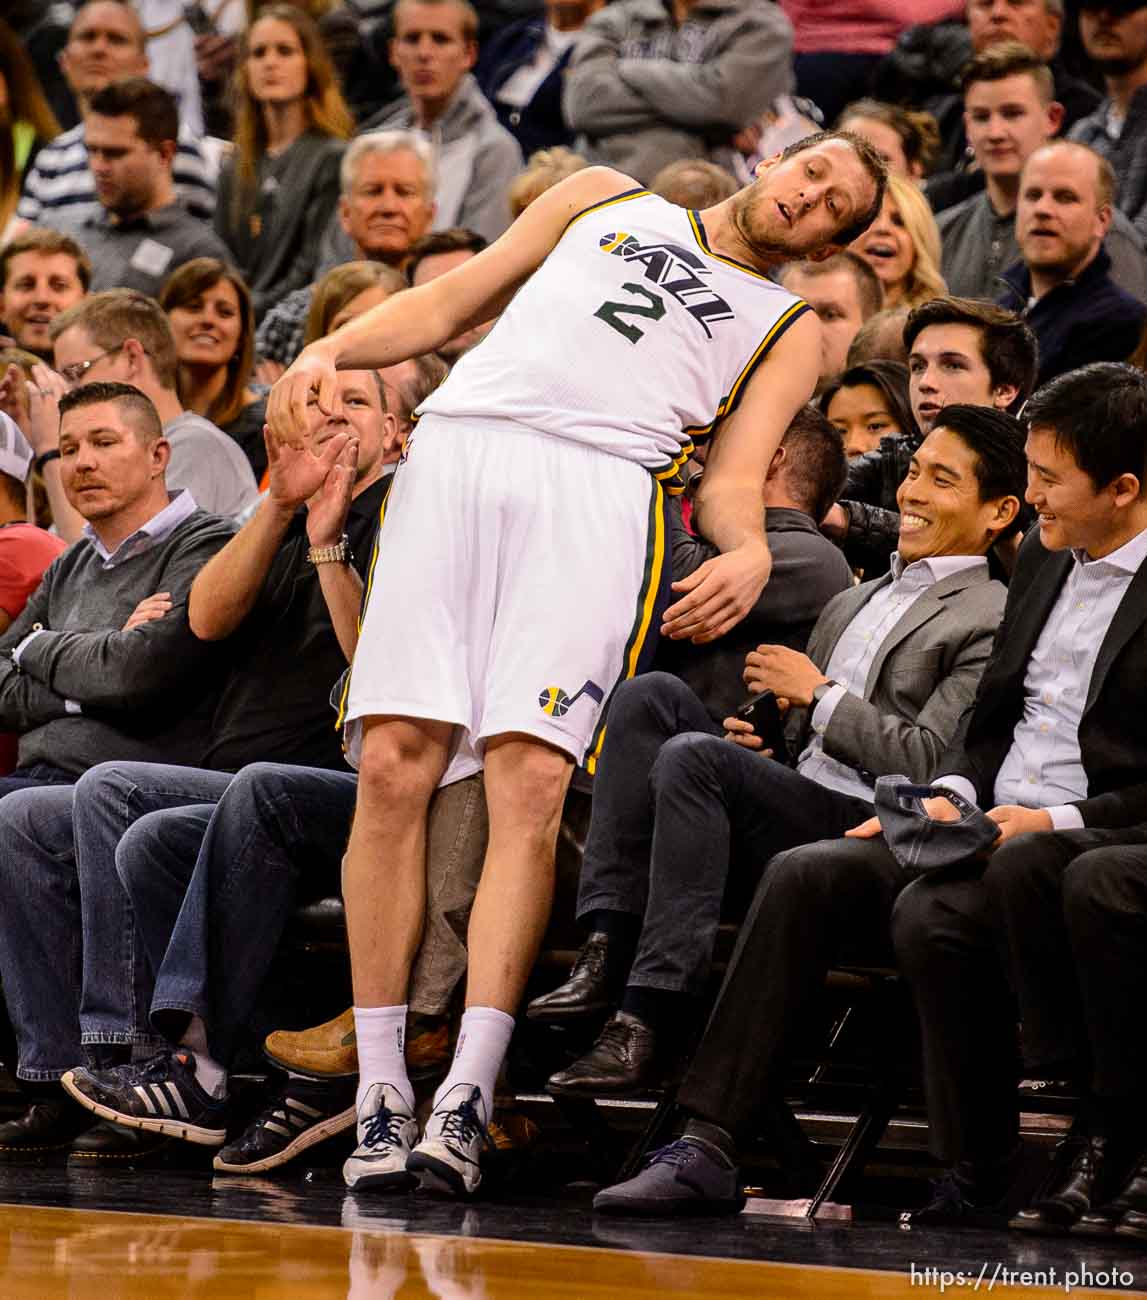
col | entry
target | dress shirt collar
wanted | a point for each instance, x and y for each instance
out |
(157, 529)
(926, 573)
(1127, 559)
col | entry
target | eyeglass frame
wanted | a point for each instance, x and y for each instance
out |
(73, 375)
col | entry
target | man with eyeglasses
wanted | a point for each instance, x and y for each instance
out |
(125, 336)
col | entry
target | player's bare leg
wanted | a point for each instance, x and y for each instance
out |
(384, 888)
(526, 782)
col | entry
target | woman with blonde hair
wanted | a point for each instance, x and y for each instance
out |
(26, 122)
(903, 247)
(213, 321)
(278, 189)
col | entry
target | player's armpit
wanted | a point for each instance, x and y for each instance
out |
(729, 508)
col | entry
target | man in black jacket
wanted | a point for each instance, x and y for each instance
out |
(1063, 286)
(1056, 747)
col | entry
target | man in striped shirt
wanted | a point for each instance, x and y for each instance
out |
(105, 44)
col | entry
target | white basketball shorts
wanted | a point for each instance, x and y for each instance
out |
(514, 585)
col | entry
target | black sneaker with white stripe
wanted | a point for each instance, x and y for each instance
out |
(160, 1095)
(304, 1113)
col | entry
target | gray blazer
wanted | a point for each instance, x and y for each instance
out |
(922, 681)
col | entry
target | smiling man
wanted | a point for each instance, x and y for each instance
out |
(42, 273)
(959, 350)
(672, 820)
(891, 668)
(1056, 750)
(1063, 286)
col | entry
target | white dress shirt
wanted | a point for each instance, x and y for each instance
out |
(854, 654)
(1044, 766)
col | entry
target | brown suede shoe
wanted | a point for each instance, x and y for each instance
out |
(328, 1051)
(324, 1052)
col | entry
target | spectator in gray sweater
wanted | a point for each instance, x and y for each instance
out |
(101, 663)
(651, 82)
(126, 336)
(475, 157)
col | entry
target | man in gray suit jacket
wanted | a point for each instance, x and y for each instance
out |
(892, 667)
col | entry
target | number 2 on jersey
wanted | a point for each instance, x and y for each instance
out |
(652, 309)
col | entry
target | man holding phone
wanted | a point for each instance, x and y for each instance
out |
(891, 667)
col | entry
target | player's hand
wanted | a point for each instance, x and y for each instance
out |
(294, 475)
(1014, 820)
(149, 609)
(327, 509)
(718, 594)
(785, 672)
(312, 372)
(269, 372)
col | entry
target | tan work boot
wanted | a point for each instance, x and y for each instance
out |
(324, 1052)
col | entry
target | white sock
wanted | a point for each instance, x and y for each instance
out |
(209, 1074)
(482, 1043)
(380, 1033)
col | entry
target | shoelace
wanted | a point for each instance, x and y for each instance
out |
(384, 1128)
(676, 1154)
(615, 1037)
(947, 1195)
(463, 1124)
(157, 1067)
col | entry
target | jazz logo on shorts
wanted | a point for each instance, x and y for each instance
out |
(554, 701)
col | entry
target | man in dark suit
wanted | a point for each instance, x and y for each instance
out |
(892, 667)
(1056, 745)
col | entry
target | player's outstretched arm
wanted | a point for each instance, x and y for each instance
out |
(730, 505)
(420, 320)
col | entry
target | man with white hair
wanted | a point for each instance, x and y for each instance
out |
(387, 202)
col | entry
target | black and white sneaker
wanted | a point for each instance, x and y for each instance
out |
(302, 1114)
(386, 1133)
(447, 1158)
(160, 1095)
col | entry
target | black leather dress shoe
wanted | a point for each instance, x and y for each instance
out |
(1133, 1225)
(969, 1195)
(1084, 1173)
(624, 1060)
(114, 1144)
(45, 1128)
(1132, 1199)
(591, 988)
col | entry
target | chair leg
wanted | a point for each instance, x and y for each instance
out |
(854, 1154)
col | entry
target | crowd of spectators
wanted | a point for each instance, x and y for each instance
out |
(958, 525)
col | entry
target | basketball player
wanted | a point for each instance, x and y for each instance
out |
(520, 554)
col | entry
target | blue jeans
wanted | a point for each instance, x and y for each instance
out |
(212, 889)
(118, 974)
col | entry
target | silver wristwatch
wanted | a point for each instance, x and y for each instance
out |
(337, 554)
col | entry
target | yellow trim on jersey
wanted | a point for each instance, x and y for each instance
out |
(605, 203)
(647, 599)
(368, 587)
(733, 396)
(703, 240)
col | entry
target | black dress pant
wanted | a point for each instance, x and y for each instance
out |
(1071, 911)
(674, 806)
(815, 906)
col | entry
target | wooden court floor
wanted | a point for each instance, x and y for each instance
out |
(101, 1255)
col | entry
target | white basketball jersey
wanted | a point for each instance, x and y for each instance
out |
(632, 336)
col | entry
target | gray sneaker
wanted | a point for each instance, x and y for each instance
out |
(686, 1177)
